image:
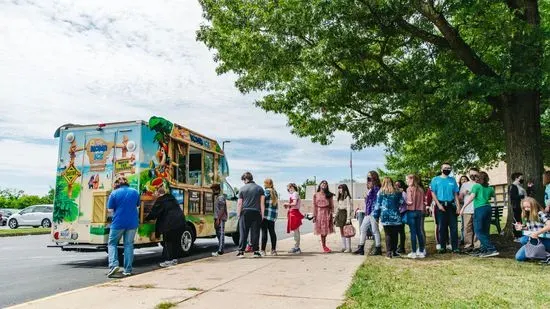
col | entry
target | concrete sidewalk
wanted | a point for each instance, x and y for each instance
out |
(312, 279)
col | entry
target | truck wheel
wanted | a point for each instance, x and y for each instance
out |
(187, 241)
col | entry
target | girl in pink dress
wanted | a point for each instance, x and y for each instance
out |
(323, 207)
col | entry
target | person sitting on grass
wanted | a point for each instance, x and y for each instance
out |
(537, 222)
(480, 194)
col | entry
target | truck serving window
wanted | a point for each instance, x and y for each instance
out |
(180, 158)
(208, 168)
(195, 167)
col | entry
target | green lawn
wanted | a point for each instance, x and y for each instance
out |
(23, 231)
(450, 281)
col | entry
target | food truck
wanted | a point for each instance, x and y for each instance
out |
(149, 154)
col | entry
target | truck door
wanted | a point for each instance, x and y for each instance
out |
(98, 170)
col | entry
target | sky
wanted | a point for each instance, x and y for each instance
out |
(87, 62)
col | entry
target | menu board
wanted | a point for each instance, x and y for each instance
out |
(147, 206)
(194, 202)
(208, 203)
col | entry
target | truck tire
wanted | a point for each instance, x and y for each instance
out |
(187, 241)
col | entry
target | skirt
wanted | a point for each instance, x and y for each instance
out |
(341, 218)
(323, 222)
(294, 220)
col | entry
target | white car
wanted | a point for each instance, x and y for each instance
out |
(36, 215)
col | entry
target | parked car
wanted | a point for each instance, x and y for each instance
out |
(4, 215)
(35, 216)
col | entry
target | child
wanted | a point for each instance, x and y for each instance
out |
(387, 210)
(344, 214)
(481, 194)
(295, 217)
(323, 207)
(220, 216)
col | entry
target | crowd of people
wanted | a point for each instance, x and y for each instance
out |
(389, 205)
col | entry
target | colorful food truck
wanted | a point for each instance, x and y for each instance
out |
(150, 154)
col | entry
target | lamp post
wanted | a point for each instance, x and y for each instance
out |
(351, 171)
(223, 145)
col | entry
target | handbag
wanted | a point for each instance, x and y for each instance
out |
(349, 230)
(535, 252)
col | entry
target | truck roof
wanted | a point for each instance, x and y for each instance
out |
(94, 125)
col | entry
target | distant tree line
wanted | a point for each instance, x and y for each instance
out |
(18, 199)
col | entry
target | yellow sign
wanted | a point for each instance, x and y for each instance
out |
(123, 166)
(71, 174)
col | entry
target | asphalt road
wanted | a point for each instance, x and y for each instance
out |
(29, 270)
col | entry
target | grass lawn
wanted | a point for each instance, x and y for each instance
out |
(24, 231)
(450, 281)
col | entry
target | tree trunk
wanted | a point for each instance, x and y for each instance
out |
(521, 119)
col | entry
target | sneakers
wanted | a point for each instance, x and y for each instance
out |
(489, 254)
(257, 254)
(360, 250)
(125, 274)
(421, 254)
(113, 271)
(168, 263)
(262, 253)
(376, 251)
(295, 251)
(438, 247)
(240, 254)
(412, 255)
(343, 250)
(274, 253)
(326, 249)
(248, 249)
(457, 251)
(441, 251)
(396, 254)
(348, 250)
(449, 247)
(217, 253)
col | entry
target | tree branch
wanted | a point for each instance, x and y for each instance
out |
(426, 36)
(462, 50)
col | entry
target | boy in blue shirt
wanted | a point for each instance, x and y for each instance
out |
(445, 194)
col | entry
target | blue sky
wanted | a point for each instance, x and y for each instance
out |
(102, 61)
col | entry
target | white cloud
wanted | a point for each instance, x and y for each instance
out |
(65, 61)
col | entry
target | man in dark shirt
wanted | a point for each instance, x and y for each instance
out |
(250, 208)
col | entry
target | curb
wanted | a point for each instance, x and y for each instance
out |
(24, 234)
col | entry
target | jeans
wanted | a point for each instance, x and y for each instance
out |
(520, 255)
(114, 239)
(172, 243)
(482, 225)
(250, 222)
(391, 232)
(269, 226)
(370, 221)
(414, 220)
(220, 234)
(360, 217)
(448, 223)
(402, 238)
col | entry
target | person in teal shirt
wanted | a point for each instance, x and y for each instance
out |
(445, 194)
(481, 195)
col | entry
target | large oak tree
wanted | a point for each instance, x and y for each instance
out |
(432, 80)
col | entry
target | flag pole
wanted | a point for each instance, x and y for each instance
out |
(351, 170)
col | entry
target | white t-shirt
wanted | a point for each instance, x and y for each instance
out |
(465, 191)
